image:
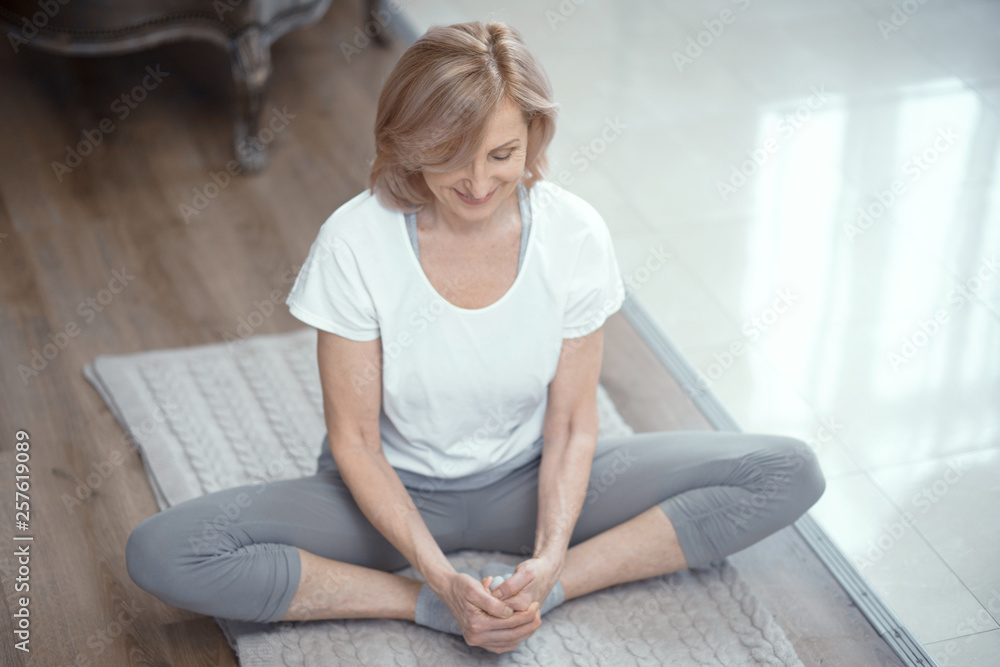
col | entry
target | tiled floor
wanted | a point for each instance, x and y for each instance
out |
(876, 337)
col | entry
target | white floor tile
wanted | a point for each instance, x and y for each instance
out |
(952, 502)
(762, 401)
(893, 556)
(977, 650)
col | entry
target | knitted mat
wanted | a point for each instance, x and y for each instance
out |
(221, 415)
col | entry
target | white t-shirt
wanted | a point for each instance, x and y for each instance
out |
(463, 390)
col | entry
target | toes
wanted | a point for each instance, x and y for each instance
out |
(494, 568)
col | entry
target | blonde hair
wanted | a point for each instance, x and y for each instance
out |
(435, 106)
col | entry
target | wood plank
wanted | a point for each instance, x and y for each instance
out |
(646, 395)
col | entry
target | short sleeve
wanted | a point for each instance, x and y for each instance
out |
(330, 294)
(596, 287)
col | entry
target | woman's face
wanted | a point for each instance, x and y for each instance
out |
(475, 192)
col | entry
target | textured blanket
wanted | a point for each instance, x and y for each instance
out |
(222, 415)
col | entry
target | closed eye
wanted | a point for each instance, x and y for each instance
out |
(503, 157)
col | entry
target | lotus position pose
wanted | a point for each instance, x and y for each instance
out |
(459, 303)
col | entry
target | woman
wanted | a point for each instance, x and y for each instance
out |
(459, 304)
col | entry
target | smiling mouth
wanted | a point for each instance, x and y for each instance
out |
(472, 200)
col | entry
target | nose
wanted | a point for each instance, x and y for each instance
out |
(477, 181)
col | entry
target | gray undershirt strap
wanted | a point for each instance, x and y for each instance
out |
(522, 202)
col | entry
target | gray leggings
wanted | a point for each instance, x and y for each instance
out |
(233, 553)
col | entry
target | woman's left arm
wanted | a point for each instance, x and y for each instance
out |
(569, 437)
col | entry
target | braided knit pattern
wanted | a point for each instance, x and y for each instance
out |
(698, 617)
(256, 412)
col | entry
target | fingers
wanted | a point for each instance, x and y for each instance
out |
(517, 603)
(489, 604)
(487, 624)
(520, 601)
(499, 638)
(513, 585)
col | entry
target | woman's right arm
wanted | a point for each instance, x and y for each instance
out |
(351, 375)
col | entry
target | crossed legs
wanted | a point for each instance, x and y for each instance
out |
(301, 549)
(644, 546)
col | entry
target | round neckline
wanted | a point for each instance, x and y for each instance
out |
(523, 204)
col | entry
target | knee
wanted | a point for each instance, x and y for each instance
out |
(801, 466)
(787, 466)
(162, 553)
(146, 556)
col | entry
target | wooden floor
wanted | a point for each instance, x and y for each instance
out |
(65, 237)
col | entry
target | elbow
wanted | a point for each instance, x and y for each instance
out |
(572, 430)
(348, 448)
(347, 454)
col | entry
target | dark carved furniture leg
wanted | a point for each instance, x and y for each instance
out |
(373, 7)
(250, 57)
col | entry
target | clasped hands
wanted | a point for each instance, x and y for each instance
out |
(501, 619)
